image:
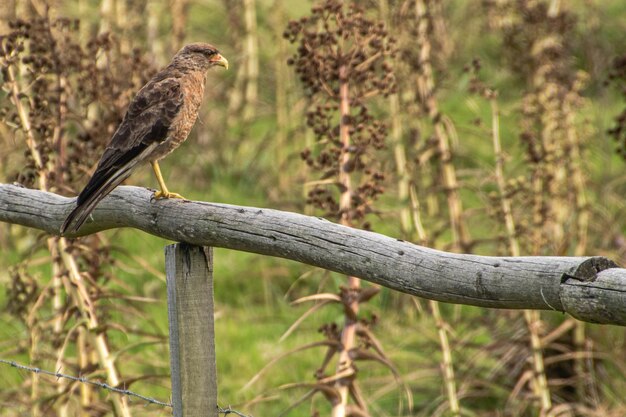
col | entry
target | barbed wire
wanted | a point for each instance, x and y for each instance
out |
(103, 385)
(229, 410)
(84, 380)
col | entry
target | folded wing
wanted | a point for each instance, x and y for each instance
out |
(147, 124)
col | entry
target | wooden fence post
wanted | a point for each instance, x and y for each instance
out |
(189, 272)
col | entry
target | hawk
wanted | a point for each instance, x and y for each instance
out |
(157, 121)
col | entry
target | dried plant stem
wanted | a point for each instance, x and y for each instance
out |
(446, 361)
(106, 25)
(155, 41)
(555, 6)
(58, 249)
(560, 169)
(505, 202)
(83, 9)
(57, 326)
(410, 216)
(586, 391)
(85, 305)
(344, 136)
(26, 127)
(7, 14)
(537, 210)
(533, 318)
(440, 29)
(348, 334)
(551, 174)
(179, 10)
(34, 389)
(399, 150)
(447, 364)
(106, 16)
(252, 59)
(425, 87)
(43, 183)
(578, 181)
(417, 216)
(122, 23)
(402, 171)
(540, 380)
(340, 74)
(282, 113)
(25, 9)
(83, 362)
(235, 97)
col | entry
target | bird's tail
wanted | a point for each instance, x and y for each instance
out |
(98, 187)
(117, 166)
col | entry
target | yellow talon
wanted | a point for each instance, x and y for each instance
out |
(163, 193)
(166, 194)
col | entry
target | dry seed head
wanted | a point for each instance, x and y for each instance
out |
(339, 45)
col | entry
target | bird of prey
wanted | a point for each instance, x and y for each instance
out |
(157, 121)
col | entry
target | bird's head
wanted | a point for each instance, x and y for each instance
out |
(200, 56)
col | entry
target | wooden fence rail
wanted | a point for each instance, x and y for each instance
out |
(589, 288)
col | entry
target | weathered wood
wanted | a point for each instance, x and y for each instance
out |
(600, 297)
(189, 272)
(543, 283)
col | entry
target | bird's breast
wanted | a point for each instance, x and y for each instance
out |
(192, 86)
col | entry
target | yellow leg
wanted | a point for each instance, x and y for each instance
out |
(163, 193)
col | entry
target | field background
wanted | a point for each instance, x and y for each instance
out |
(246, 149)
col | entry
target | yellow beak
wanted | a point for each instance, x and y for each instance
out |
(220, 60)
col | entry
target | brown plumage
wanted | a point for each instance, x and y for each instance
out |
(157, 121)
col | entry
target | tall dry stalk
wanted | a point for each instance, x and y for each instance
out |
(243, 95)
(345, 205)
(252, 60)
(342, 62)
(236, 94)
(58, 248)
(415, 22)
(425, 87)
(397, 141)
(617, 78)
(154, 12)
(282, 106)
(532, 317)
(42, 64)
(537, 36)
(427, 97)
(179, 10)
(7, 14)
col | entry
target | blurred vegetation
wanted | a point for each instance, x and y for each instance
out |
(504, 134)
